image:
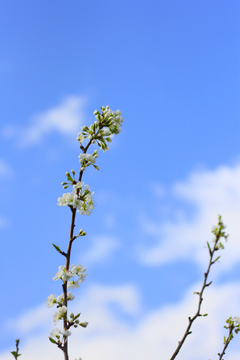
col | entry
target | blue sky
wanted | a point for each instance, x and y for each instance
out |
(172, 68)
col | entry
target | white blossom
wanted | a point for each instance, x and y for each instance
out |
(65, 332)
(54, 332)
(70, 296)
(83, 202)
(72, 284)
(60, 298)
(80, 137)
(59, 314)
(51, 300)
(86, 158)
(237, 320)
(79, 185)
(63, 274)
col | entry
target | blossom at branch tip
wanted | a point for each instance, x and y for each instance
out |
(107, 123)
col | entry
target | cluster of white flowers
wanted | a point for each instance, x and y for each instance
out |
(66, 275)
(107, 123)
(52, 300)
(57, 332)
(88, 159)
(80, 198)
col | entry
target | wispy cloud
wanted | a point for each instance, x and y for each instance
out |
(102, 248)
(155, 333)
(210, 192)
(65, 119)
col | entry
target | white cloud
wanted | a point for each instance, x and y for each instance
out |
(66, 119)
(101, 249)
(29, 320)
(155, 334)
(211, 193)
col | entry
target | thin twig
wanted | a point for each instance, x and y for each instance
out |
(15, 353)
(226, 343)
(218, 235)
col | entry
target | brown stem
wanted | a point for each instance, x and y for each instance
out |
(68, 256)
(226, 342)
(191, 320)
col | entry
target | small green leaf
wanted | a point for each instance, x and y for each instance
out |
(57, 248)
(77, 316)
(216, 259)
(205, 314)
(52, 340)
(209, 247)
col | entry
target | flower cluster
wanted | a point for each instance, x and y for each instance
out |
(80, 198)
(88, 159)
(234, 324)
(107, 123)
(52, 300)
(66, 276)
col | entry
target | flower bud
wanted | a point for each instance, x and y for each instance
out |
(84, 324)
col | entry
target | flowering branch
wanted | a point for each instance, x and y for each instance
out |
(233, 325)
(107, 124)
(219, 233)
